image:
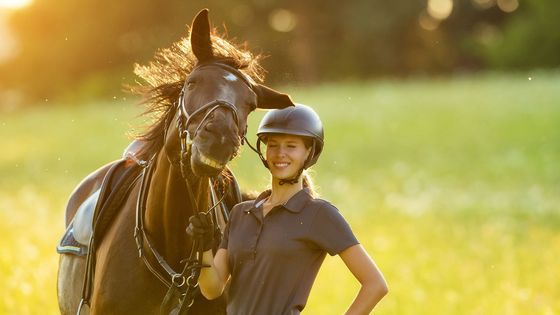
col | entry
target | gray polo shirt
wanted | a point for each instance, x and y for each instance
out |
(274, 260)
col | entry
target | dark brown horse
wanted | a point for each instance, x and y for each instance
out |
(204, 95)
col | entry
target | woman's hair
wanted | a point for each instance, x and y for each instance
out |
(305, 176)
(309, 184)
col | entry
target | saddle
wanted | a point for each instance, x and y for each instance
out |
(98, 210)
(96, 213)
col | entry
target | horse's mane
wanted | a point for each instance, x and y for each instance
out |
(164, 77)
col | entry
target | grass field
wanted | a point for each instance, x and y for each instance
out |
(453, 186)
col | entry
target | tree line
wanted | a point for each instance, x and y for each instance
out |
(66, 46)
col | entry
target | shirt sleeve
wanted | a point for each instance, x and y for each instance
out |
(330, 231)
(225, 237)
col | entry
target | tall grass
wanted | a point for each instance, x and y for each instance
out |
(451, 185)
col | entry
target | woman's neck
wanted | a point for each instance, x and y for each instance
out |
(282, 193)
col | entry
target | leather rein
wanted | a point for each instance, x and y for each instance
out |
(183, 284)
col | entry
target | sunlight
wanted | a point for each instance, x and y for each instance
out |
(282, 20)
(508, 6)
(14, 4)
(427, 22)
(440, 9)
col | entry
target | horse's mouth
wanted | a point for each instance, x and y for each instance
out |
(204, 165)
(210, 162)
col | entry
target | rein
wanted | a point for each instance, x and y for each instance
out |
(180, 284)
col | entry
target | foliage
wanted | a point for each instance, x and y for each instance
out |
(63, 44)
(528, 39)
(451, 185)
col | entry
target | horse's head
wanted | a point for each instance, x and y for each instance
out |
(211, 112)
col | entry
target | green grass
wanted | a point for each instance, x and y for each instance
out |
(451, 185)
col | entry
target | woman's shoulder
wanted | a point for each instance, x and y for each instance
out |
(323, 204)
(242, 206)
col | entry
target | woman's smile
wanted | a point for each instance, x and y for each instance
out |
(281, 165)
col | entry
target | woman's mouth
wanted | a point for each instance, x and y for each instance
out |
(281, 165)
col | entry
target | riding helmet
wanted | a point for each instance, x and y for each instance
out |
(299, 120)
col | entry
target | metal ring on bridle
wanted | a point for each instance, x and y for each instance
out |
(190, 279)
(178, 276)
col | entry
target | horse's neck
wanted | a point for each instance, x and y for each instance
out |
(168, 209)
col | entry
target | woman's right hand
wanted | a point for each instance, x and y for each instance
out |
(201, 228)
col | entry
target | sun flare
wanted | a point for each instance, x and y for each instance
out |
(14, 4)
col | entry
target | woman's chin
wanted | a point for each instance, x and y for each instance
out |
(283, 176)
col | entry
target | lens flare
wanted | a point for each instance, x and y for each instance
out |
(14, 4)
(440, 9)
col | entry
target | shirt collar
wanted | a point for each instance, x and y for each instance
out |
(295, 204)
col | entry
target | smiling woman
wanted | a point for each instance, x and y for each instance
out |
(14, 4)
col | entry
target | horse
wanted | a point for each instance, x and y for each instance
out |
(203, 88)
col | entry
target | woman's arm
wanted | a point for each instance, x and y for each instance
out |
(213, 279)
(374, 287)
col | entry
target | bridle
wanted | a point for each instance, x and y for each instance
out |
(182, 285)
(184, 118)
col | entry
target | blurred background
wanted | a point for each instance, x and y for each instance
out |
(51, 49)
(442, 124)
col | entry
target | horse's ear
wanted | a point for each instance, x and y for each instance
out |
(200, 37)
(268, 98)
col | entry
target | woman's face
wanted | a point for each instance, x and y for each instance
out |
(285, 155)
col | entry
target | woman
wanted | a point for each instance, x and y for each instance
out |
(274, 246)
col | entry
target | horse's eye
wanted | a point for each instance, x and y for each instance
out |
(190, 85)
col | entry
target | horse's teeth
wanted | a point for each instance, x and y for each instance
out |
(210, 162)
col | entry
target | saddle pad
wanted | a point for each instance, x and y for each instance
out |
(69, 245)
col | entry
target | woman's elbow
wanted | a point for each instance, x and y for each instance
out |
(382, 289)
(211, 293)
(378, 289)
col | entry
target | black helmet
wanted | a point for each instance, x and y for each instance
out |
(299, 120)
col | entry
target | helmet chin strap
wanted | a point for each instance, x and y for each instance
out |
(257, 150)
(291, 181)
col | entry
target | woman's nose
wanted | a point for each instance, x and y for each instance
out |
(281, 151)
